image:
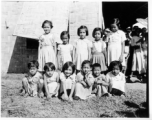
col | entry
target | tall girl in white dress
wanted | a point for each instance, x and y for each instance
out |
(47, 47)
(65, 50)
(83, 47)
(116, 43)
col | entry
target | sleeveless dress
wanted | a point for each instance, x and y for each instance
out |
(46, 52)
(65, 54)
(98, 57)
(82, 52)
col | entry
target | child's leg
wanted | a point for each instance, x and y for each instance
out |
(25, 86)
(40, 87)
(99, 90)
(72, 91)
(65, 95)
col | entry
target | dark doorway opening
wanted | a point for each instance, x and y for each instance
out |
(127, 12)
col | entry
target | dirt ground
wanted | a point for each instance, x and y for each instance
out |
(14, 105)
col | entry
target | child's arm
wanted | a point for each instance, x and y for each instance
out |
(46, 88)
(89, 80)
(57, 80)
(63, 82)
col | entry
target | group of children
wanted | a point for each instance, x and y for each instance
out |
(68, 85)
(83, 65)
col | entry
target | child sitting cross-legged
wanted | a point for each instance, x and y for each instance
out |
(100, 87)
(32, 83)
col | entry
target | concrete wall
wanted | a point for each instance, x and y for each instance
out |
(14, 53)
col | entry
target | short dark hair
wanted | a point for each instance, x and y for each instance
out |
(33, 63)
(86, 62)
(82, 27)
(95, 65)
(115, 63)
(47, 21)
(64, 33)
(49, 65)
(67, 65)
(115, 21)
(97, 29)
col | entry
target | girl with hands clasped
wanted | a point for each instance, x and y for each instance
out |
(84, 82)
(100, 87)
(116, 43)
(67, 78)
(51, 80)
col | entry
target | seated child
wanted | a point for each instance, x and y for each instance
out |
(116, 79)
(84, 82)
(67, 78)
(51, 80)
(32, 82)
(100, 86)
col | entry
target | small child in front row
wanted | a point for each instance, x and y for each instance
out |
(51, 80)
(32, 83)
(67, 78)
(116, 79)
(84, 82)
(100, 86)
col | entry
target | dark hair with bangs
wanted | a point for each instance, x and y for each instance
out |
(82, 27)
(47, 21)
(49, 65)
(33, 63)
(97, 29)
(67, 65)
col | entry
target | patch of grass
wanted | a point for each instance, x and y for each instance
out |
(13, 105)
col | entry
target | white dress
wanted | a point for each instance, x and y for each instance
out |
(66, 52)
(82, 52)
(117, 82)
(46, 52)
(138, 57)
(80, 91)
(68, 81)
(114, 46)
(52, 82)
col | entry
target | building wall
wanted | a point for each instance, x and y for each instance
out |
(14, 52)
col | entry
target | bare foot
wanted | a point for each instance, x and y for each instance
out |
(26, 95)
(70, 98)
(40, 95)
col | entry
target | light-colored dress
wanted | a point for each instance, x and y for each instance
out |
(65, 51)
(98, 56)
(138, 57)
(69, 81)
(82, 51)
(80, 91)
(117, 82)
(52, 82)
(46, 52)
(32, 83)
(104, 89)
(115, 47)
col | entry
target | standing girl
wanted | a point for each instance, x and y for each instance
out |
(46, 52)
(116, 79)
(67, 78)
(99, 49)
(83, 47)
(65, 49)
(51, 80)
(84, 82)
(116, 43)
(138, 58)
